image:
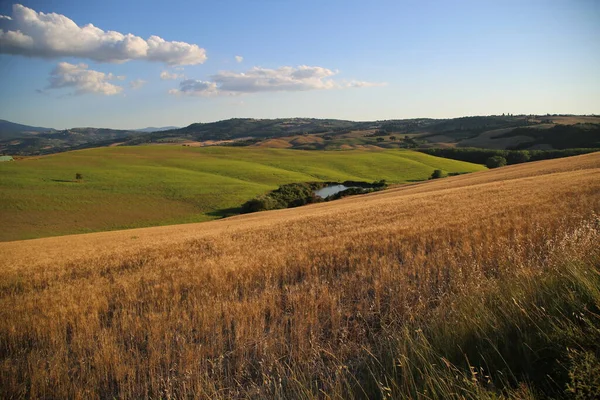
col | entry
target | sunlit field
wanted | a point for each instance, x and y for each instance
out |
(483, 285)
(129, 187)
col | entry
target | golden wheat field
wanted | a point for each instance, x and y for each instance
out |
(475, 286)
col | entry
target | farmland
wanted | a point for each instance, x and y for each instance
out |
(128, 187)
(492, 131)
(475, 286)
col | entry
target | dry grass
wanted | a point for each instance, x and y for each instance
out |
(279, 143)
(305, 139)
(379, 296)
(489, 140)
(571, 120)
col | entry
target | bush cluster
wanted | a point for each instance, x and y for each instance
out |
(299, 194)
(495, 162)
(286, 196)
(438, 173)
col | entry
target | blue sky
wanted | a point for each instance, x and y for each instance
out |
(348, 59)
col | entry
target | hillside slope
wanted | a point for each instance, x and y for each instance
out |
(494, 191)
(10, 130)
(492, 131)
(128, 187)
(475, 286)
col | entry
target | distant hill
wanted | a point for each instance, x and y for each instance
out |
(495, 132)
(69, 139)
(9, 130)
(558, 136)
(236, 128)
(499, 132)
(155, 129)
(515, 132)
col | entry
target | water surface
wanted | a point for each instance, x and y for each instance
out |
(331, 190)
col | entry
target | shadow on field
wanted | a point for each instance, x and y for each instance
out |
(225, 212)
(63, 180)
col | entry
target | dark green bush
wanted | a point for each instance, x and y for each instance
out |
(438, 173)
(299, 194)
(495, 162)
(518, 156)
(262, 203)
(291, 195)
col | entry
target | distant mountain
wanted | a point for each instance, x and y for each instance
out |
(155, 129)
(490, 132)
(237, 128)
(10, 130)
(54, 141)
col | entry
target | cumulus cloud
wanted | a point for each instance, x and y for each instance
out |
(363, 84)
(136, 84)
(52, 35)
(239, 59)
(166, 75)
(193, 86)
(258, 79)
(83, 80)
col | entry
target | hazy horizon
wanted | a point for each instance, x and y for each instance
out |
(297, 117)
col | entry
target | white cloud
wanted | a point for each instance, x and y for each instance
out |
(54, 35)
(258, 79)
(166, 75)
(5, 17)
(138, 83)
(239, 59)
(83, 80)
(363, 84)
(193, 86)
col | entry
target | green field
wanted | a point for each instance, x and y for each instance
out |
(127, 187)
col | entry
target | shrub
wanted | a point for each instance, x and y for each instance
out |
(438, 173)
(495, 162)
(292, 195)
(262, 203)
(299, 194)
(381, 184)
(518, 156)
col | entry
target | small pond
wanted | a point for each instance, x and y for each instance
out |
(331, 190)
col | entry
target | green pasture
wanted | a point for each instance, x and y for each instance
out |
(127, 187)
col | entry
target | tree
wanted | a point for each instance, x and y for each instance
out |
(517, 157)
(78, 176)
(438, 173)
(380, 139)
(495, 162)
(262, 203)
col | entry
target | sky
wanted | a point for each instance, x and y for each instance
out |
(132, 64)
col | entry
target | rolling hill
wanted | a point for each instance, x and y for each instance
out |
(64, 140)
(156, 129)
(11, 130)
(479, 286)
(493, 132)
(134, 186)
